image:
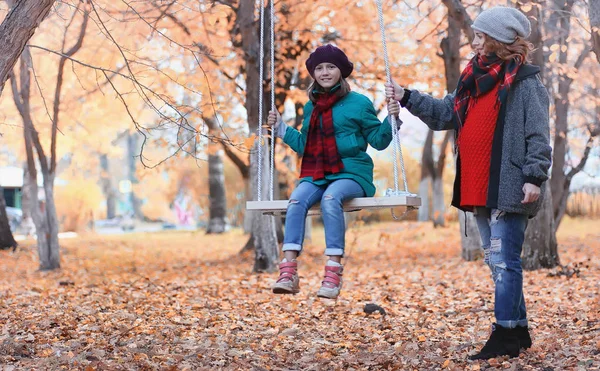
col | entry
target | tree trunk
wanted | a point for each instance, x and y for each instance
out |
(46, 230)
(594, 12)
(263, 227)
(245, 172)
(308, 227)
(51, 258)
(277, 196)
(459, 19)
(46, 220)
(266, 247)
(536, 38)
(426, 176)
(132, 153)
(558, 178)
(16, 30)
(25, 194)
(108, 187)
(218, 222)
(470, 239)
(248, 215)
(6, 237)
(540, 249)
(439, 205)
(562, 205)
(48, 249)
(424, 185)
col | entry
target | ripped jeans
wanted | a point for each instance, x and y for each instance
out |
(502, 236)
(331, 197)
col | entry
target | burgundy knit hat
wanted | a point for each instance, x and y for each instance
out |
(330, 54)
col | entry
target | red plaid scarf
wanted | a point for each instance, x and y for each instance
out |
(479, 77)
(320, 154)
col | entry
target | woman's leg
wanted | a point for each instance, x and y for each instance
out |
(506, 241)
(335, 231)
(502, 236)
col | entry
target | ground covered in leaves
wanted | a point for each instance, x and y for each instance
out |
(189, 301)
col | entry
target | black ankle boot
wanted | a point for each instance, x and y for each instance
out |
(503, 341)
(523, 336)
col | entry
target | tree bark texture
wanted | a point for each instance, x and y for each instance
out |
(108, 187)
(470, 238)
(16, 30)
(7, 240)
(263, 227)
(218, 222)
(266, 248)
(594, 12)
(540, 249)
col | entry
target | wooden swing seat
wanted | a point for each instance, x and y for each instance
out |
(279, 207)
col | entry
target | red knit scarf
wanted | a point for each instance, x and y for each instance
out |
(479, 77)
(320, 153)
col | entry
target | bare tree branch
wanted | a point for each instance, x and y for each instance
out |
(20, 97)
(241, 165)
(227, 3)
(583, 161)
(23, 105)
(59, 80)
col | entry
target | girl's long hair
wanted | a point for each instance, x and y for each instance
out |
(520, 49)
(341, 92)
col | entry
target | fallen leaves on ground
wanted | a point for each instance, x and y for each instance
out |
(182, 300)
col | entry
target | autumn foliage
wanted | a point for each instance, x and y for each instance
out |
(187, 301)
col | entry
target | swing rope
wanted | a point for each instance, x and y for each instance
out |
(395, 133)
(260, 100)
(273, 108)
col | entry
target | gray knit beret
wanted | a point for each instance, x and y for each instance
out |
(503, 24)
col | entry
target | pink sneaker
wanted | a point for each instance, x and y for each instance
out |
(288, 281)
(332, 283)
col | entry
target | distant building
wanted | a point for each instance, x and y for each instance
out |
(11, 181)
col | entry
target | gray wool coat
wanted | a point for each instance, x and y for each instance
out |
(520, 149)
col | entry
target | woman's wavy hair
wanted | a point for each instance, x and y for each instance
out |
(520, 49)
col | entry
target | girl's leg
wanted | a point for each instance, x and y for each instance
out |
(302, 199)
(333, 214)
(305, 196)
(335, 231)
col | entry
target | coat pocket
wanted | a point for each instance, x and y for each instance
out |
(347, 145)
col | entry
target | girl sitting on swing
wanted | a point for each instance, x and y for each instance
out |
(337, 126)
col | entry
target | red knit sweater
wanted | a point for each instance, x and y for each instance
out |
(475, 148)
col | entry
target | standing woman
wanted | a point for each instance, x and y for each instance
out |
(499, 111)
(337, 127)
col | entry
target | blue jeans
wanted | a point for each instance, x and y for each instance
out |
(331, 197)
(502, 236)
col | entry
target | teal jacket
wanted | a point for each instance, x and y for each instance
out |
(355, 124)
